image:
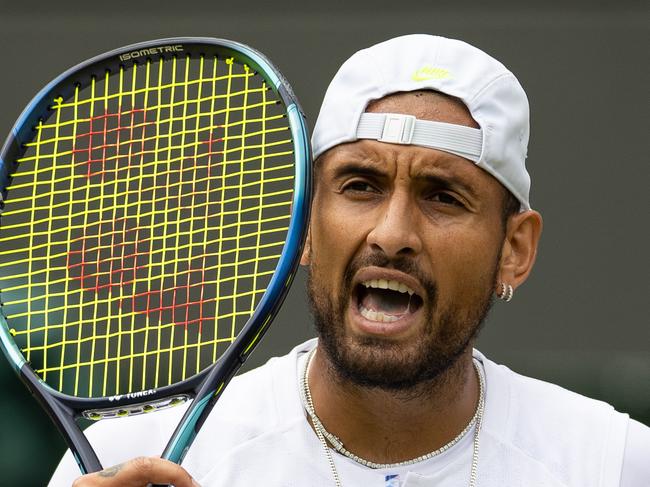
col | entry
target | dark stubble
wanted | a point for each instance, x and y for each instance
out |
(376, 362)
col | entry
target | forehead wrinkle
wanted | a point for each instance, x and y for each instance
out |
(434, 165)
(361, 154)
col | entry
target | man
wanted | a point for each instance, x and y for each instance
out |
(420, 216)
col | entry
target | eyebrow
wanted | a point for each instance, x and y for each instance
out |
(360, 168)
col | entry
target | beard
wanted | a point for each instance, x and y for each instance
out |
(376, 362)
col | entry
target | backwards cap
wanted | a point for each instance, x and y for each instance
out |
(492, 94)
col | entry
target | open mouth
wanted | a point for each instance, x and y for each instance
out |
(385, 300)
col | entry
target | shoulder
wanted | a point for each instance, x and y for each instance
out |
(574, 439)
(636, 467)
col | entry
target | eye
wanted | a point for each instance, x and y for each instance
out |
(445, 198)
(359, 186)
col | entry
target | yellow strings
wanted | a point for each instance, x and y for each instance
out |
(144, 223)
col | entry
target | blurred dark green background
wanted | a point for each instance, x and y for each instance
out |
(582, 319)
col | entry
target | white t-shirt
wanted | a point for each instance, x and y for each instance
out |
(533, 434)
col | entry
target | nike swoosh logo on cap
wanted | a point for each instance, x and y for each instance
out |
(429, 72)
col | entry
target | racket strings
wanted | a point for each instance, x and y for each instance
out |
(144, 223)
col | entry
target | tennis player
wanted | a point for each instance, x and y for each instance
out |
(421, 218)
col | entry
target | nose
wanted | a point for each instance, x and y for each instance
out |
(395, 232)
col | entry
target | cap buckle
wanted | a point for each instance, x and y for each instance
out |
(398, 129)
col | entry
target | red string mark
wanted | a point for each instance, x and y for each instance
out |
(119, 261)
(109, 256)
(213, 139)
(104, 263)
(179, 309)
(110, 137)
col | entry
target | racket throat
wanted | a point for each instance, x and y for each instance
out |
(135, 409)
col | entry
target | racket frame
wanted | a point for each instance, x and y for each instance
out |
(207, 386)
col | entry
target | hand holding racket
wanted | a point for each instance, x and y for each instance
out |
(155, 201)
(139, 472)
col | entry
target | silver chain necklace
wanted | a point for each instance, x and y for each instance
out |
(324, 436)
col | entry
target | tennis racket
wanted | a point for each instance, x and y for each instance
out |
(155, 202)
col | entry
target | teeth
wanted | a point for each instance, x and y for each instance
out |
(377, 315)
(388, 284)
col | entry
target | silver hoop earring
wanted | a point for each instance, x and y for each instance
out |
(506, 292)
(510, 293)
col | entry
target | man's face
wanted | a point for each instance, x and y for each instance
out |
(403, 251)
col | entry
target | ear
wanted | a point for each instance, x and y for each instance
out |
(519, 248)
(305, 258)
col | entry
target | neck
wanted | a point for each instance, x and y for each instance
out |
(386, 426)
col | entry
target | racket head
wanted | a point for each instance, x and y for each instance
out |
(278, 273)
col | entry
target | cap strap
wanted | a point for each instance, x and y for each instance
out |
(396, 128)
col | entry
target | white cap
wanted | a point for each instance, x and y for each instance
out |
(492, 94)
